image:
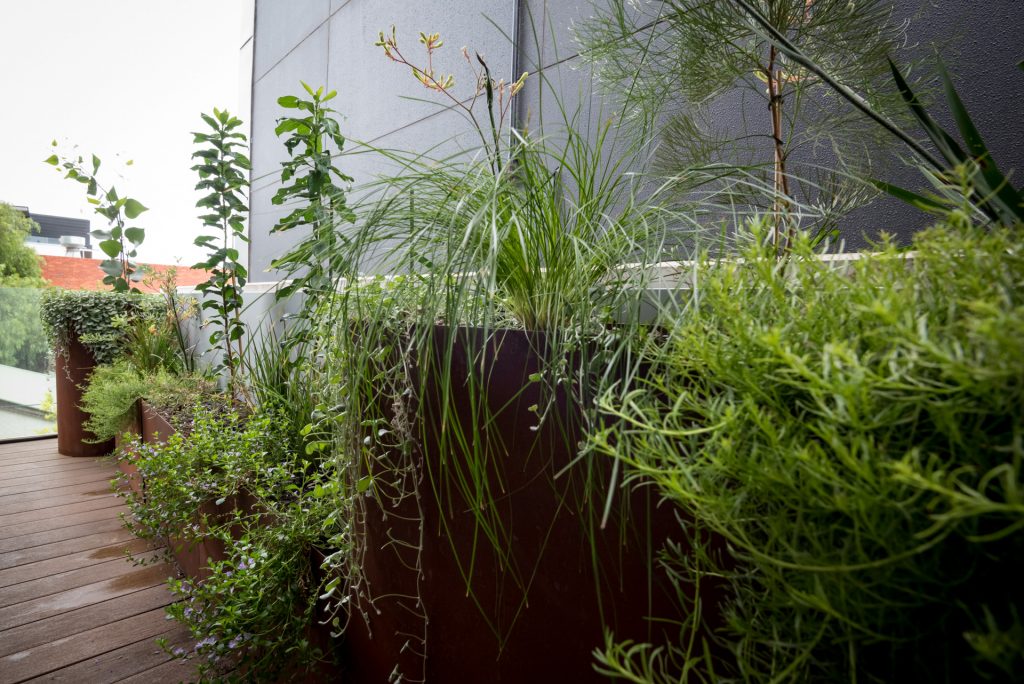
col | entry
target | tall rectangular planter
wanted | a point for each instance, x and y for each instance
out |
(125, 460)
(540, 599)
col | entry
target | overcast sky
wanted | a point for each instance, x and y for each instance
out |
(124, 79)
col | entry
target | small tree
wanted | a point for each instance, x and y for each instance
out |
(223, 173)
(21, 337)
(677, 61)
(16, 258)
(120, 243)
(310, 179)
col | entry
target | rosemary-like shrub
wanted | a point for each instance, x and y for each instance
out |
(855, 435)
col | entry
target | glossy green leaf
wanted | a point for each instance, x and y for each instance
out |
(911, 198)
(133, 208)
(135, 235)
(111, 248)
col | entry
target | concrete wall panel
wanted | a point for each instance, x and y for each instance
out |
(980, 42)
(281, 25)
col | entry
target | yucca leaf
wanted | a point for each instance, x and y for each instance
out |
(945, 143)
(994, 186)
(912, 198)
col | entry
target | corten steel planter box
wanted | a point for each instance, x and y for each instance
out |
(155, 428)
(192, 557)
(151, 428)
(125, 461)
(74, 365)
(551, 626)
(195, 556)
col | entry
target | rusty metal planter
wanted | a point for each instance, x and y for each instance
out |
(541, 599)
(74, 365)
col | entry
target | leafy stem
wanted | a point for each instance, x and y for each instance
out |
(121, 242)
(223, 173)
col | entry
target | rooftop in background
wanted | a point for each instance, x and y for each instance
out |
(56, 227)
(74, 273)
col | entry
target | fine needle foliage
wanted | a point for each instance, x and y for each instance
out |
(683, 67)
(990, 191)
(848, 442)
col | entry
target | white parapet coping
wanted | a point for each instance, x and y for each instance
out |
(664, 282)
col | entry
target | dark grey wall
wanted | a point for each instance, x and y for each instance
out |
(981, 42)
(331, 42)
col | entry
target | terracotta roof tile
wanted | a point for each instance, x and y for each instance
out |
(73, 273)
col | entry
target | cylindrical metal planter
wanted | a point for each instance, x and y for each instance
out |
(74, 365)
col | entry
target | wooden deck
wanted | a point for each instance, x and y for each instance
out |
(72, 608)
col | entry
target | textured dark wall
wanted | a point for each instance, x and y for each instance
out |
(330, 41)
(981, 42)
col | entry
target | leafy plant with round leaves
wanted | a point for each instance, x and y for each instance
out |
(93, 318)
(120, 243)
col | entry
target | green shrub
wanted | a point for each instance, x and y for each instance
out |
(110, 396)
(93, 317)
(22, 343)
(254, 609)
(855, 437)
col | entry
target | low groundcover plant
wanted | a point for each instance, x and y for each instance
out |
(254, 609)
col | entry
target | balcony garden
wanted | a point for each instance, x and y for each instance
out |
(563, 406)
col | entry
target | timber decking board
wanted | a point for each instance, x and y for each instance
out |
(35, 483)
(42, 449)
(113, 666)
(78, 647)
(27, 541)
(171, 671)
(96, 486)
(73, 561)
(63, 581)
(58, 522)
(43, 632)
(58, 511)
(72, 609)
(29, 504)
(34, 445)
(43, 467)
(10, 559)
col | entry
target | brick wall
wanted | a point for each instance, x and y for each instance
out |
(73, 273)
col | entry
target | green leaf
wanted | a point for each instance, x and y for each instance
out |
(940, 138)
(52, 160)
(912, 198)
(288, 101)
(111, 267)
(135, 235)
(1006, 200)
(132, 208)
(111, 248)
